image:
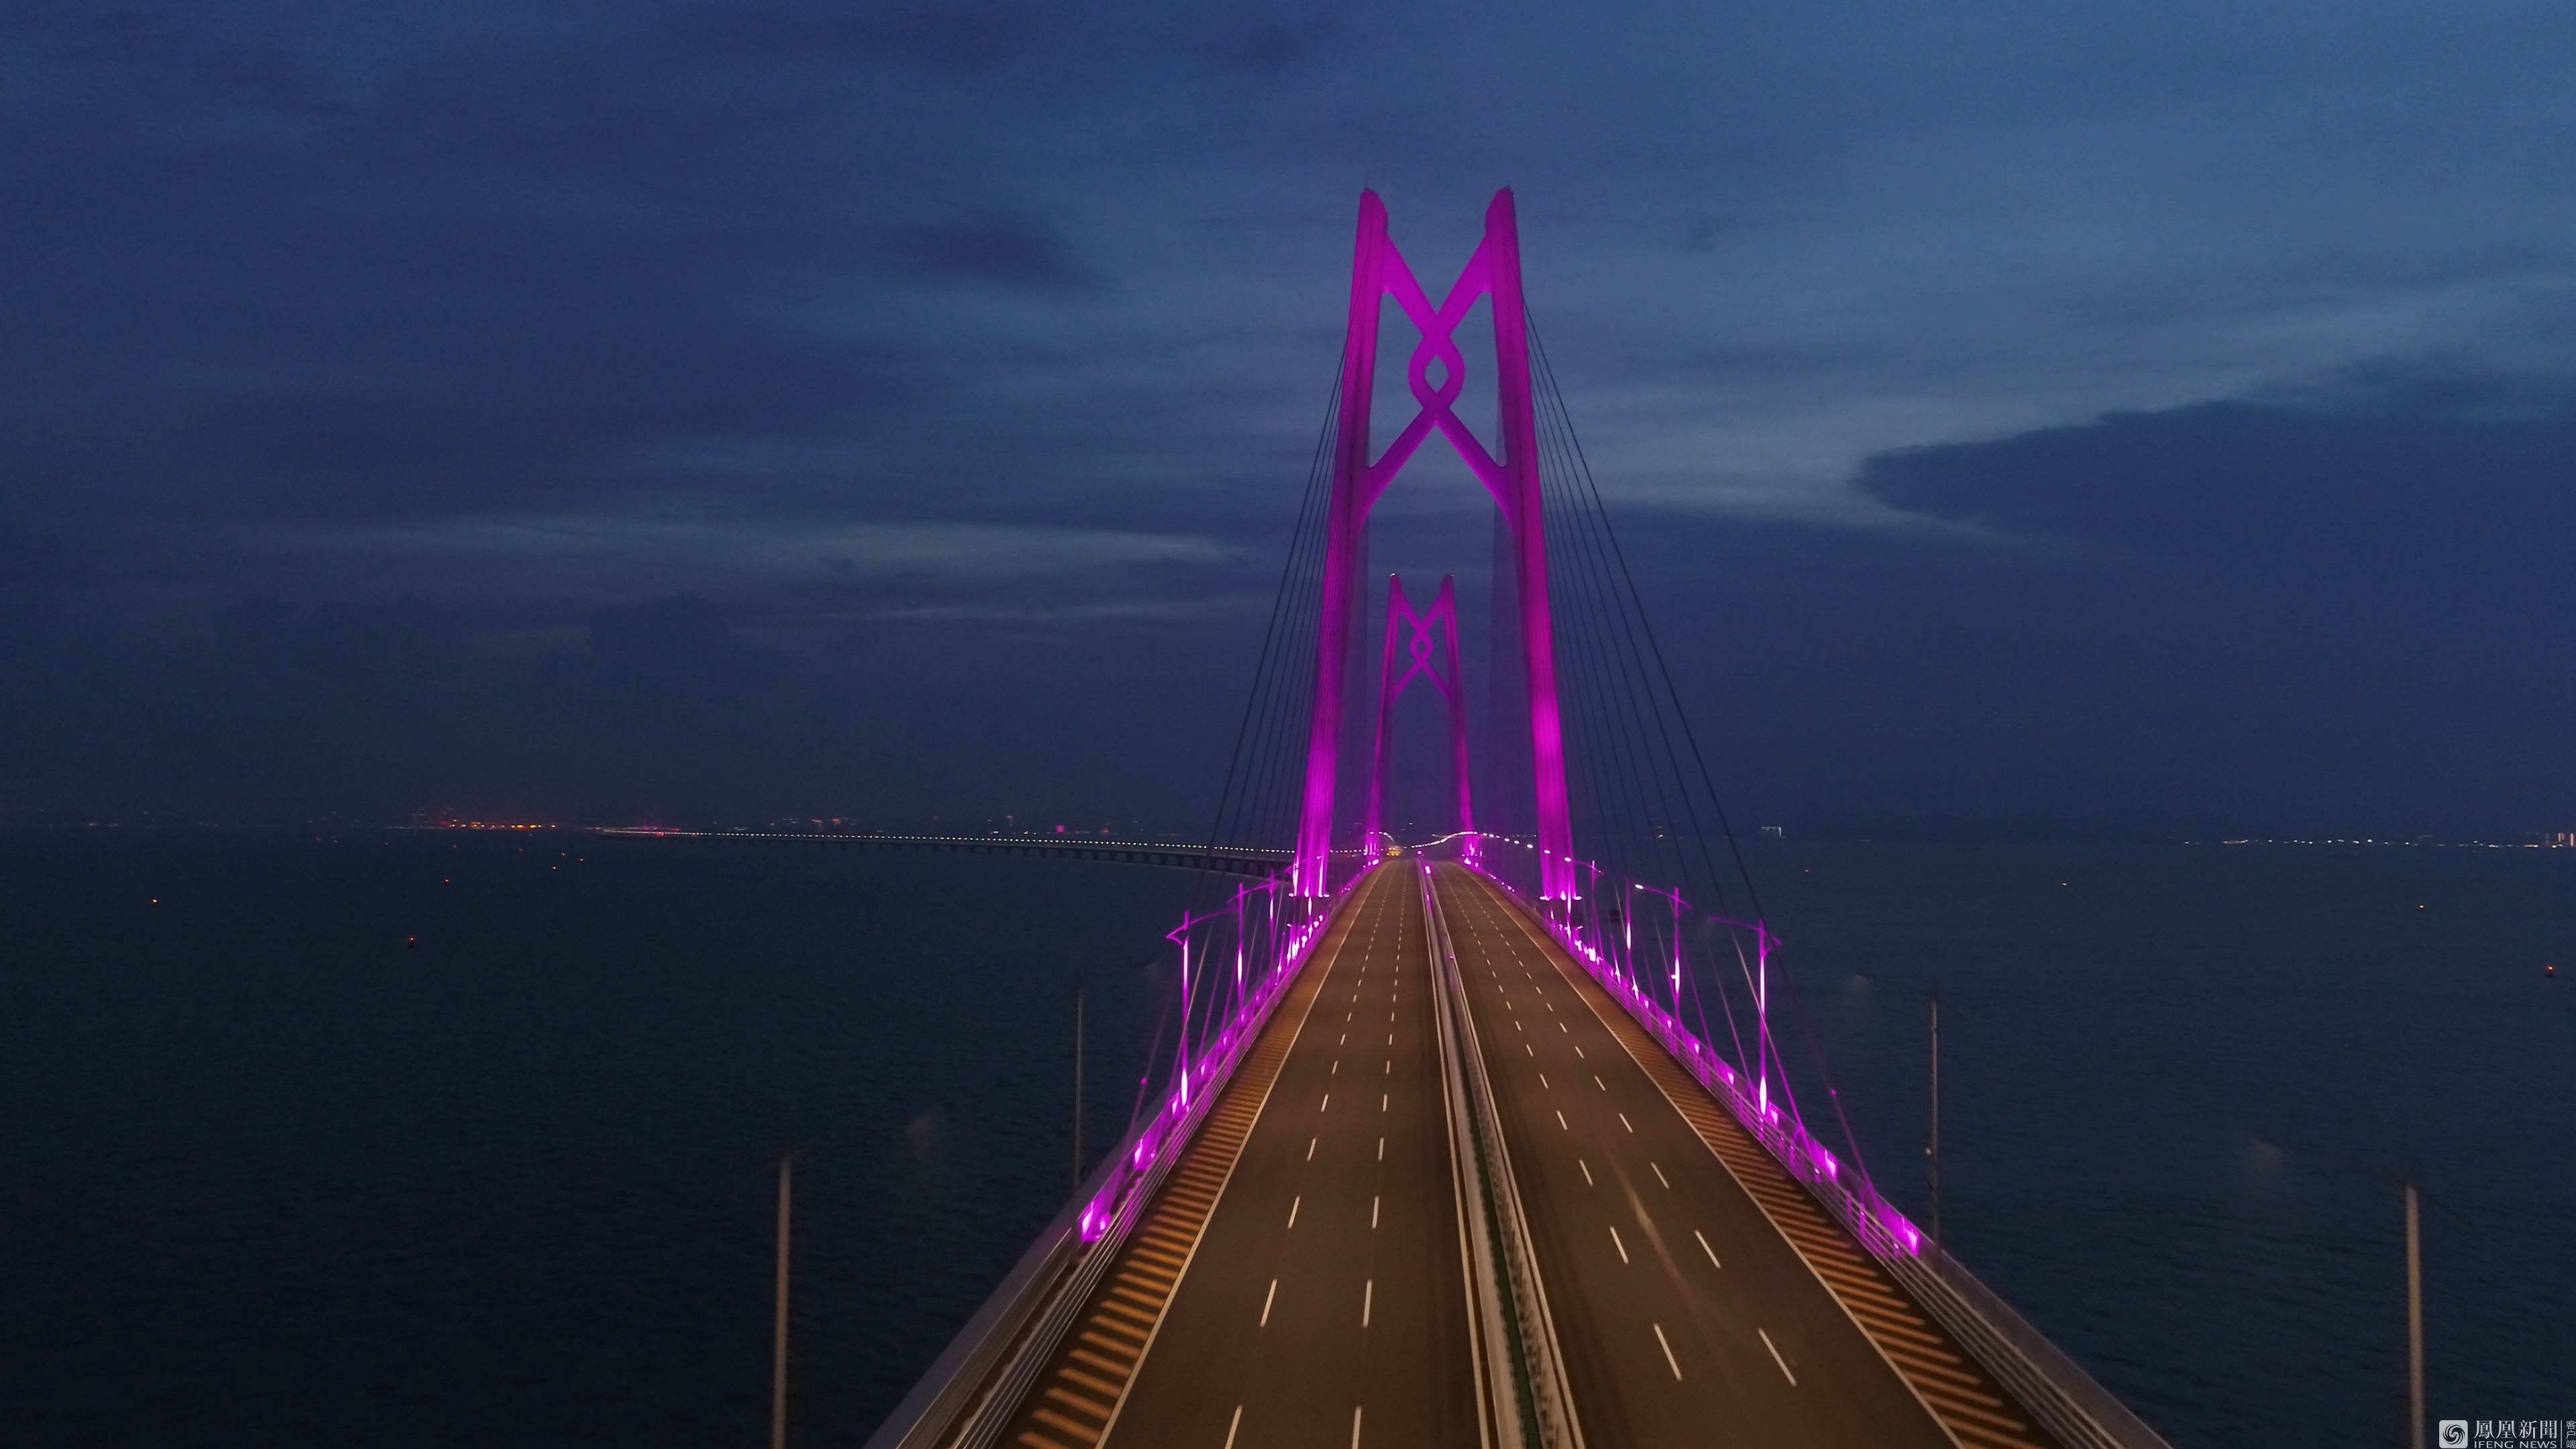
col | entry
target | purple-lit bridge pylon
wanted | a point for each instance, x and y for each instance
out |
(1484, 1139)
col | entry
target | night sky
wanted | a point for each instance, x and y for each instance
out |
(2028, 419)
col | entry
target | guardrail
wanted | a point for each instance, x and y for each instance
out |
(1502, 1410)
(973, 1389)
(1526, 1383)
(2057, 1391)
(2055, 1388)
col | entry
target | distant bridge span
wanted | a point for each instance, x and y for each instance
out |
(1255, 863)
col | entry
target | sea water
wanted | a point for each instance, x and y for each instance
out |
(435, 1137)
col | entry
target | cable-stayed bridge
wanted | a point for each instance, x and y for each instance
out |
(1486, 1141)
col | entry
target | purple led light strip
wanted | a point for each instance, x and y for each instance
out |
(1269, 933)
(1378, 271)
(1612, 961)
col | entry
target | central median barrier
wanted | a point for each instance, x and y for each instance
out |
(1523, 1366)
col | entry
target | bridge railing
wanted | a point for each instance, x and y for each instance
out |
(1235, 959)
(1598, 929)
(1239, 960)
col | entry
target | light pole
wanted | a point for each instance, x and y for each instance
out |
(2413, 1194)
(1628, 931)
(1077, 1086)
(778, 1332)
(1181, 1045)
(1762, 1022)
(1932, 1149)
(2414, 1324)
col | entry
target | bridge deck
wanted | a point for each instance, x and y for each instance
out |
(1300, 1282)
(1700, 1296)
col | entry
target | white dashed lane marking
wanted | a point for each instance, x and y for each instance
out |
(1775, 1358)
(1673, 1363)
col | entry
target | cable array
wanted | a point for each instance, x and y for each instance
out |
(1264, 778)
(1257, 804)
(1646, 805)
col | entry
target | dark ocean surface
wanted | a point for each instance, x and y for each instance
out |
(272, 1173)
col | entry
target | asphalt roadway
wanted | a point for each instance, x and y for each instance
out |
(1326, 1304)
(1684, 1316)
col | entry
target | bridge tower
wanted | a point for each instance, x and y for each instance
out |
(1391, 685)
(1378, 271)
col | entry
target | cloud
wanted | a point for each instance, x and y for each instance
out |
(965, 553)
(1024, 320)
(2374, 501)
(995, 248)
(1278, 46)
(962, 39)
(137, 49)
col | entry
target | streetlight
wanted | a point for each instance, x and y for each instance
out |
(2414, 1277)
